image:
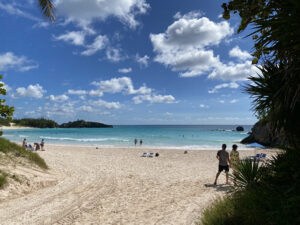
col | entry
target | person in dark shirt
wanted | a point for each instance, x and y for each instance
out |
(224, 162)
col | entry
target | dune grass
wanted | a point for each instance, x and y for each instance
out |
(3, 179)
(8, 147)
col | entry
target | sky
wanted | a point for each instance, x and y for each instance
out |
(126, 62)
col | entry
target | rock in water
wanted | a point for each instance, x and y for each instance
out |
(239, 128)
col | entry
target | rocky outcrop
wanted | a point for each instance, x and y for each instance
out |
(264, 134)
(239, 128)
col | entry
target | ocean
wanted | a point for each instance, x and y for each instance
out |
(160, 136)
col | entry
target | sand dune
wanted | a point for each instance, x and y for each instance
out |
(117, 186)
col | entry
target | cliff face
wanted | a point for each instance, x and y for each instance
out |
(263, 133)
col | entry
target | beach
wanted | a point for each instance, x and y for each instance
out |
(85, 185)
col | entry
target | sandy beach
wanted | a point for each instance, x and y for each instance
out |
(85, 185)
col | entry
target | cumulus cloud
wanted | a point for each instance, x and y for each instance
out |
(32, 91)
(225, 85)
(234, 101)
(238, 53)
(185, 47)
(84, 12)
(73, 37)
(105, 104)
(9, 61)
(142, 60)
(182, 45)
(154, 99)
(58, 98)
(222, 101)
(122, 84)
(234, 71)
(125, 70)
(99, 43)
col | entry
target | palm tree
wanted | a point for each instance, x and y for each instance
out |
(47, 9)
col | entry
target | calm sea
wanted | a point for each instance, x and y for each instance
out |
(165, 136)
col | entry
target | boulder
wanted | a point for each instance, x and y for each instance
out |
(239, 128)
(264, 134)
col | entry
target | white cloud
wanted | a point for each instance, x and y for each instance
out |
(234, 72)
(183, 45)
(10, 61)
(85, 11)
(108, 105)
(143, 61)
(238, 53)
(76, 92)
(58, 98)
(73, 37)
(122, 84)
(234, 101)
(154, 99)
(95, 93)
(99, 43)
(168, 114)
(222, 101)
(85, 108)
(32, 91)
(225, 85)
(125, 70)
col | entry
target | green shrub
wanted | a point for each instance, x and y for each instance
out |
(9, 147)
(273, 199)
(38, 123)
(4, 122)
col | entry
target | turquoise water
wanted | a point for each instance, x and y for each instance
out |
(182, 137)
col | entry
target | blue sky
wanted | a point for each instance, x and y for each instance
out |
(126, 62)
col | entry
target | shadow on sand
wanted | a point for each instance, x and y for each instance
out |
(220, 187)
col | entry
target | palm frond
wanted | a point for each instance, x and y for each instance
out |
(47, 9)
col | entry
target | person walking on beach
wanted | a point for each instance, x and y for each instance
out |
(42, 145)
(234, 159)
(224, 162)
(141, 142)
(24, 143)
(135, 141)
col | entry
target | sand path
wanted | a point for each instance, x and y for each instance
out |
(117, 186)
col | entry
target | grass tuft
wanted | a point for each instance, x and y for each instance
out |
(3, 179)
(9, 147)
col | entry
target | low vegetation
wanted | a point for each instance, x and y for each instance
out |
(38, 123)
(4, 122)
(3, 179)
(269, 197)
(10, 148)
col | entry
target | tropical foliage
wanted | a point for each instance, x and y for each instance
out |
(38, 123)
(269, 194)
(47, 9)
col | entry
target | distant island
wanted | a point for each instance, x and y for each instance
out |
(84, 124)
(45, 123)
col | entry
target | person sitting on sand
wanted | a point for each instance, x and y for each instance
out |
(42, 145)
(224, 162)
(24, 143)
(36, 146)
